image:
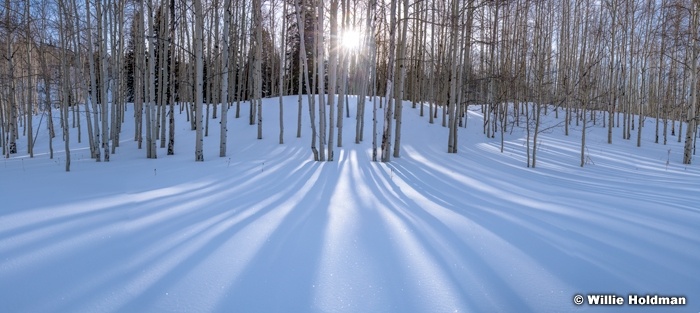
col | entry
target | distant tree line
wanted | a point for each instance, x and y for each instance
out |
(617, 63)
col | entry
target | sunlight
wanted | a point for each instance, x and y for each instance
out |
(350, 40)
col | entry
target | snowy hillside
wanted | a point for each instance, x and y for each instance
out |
(267, 229)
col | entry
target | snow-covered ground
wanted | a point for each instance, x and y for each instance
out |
(267, 229)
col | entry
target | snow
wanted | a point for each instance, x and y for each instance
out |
(267, 229)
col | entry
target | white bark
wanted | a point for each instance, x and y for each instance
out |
(224, 78)
(199, 80)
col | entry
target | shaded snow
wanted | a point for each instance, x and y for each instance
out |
(267, 229)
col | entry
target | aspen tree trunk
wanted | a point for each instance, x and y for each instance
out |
(321, 81)
(139, 77)
(452, 105)
(388, 111)
(299, 90)
(150, 88)
(30, 85)
(309, 86)
(431, 88)
(12, 123)
(302, 68)
(163, 68)
(149, 85)
(613, 72)
(102, 38)
(94, 147)
(241, 73)
(584, 85)
(692, 115)
(541, 46)
(661, 64)
(171, 85)
(332, 74)
(47, 98)
(281, 70)
(209, 78)
(199, 80)
(647, 79)
(64, 84)
(364, 74)
(118, 84)
(490, 132)
(402, 81)
(373, 74)
(257, 98)
(344, 55)
(224, 79)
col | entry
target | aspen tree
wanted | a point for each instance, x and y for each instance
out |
(62, 15)
(224, 79)
(402, 80)
(321, 81)
(151, 115)
(388, 110)
(613, 72)
(692, 116)
(373, 74)
(199, 81)
(163, 79)
(12, 123)
(257, 67)
(646, 72)
(344, 56)
(300, 28)
(94, 147)
(281, 70)
(332, 74)
(309, 86)
(171, 85)
(363, 74)
(30, 84)
(452, 104)
(104, 76)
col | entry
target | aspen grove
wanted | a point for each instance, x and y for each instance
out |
(613, 64)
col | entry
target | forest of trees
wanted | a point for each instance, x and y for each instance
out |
(613, 63)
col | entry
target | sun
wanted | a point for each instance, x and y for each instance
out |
(350, 40)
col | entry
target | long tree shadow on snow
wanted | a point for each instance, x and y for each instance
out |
(144, 250)
(569, 246)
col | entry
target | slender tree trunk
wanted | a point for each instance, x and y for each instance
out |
(332, 74)
(199, 80)
(104, 75)
(12, 123)
(402, 81)
(224, 79)
(30, 85)
(388, 110)
(692, 115)
(281, 71)
(321, 81)
(171, 83)
(257, 98)
(309, 86)
(452, 105)
(64, 84)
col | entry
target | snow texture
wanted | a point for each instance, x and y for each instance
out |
(267, 229)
